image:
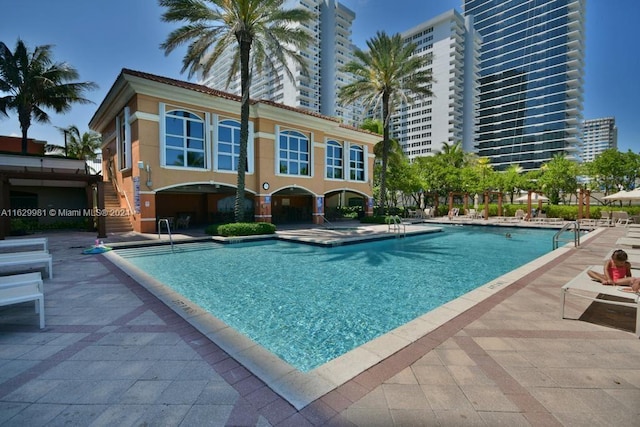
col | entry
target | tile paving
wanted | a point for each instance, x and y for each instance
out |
(114, 354)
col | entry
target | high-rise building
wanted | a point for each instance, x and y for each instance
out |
(598, 135)
(330, 49)
(450, 114)
(532, 67)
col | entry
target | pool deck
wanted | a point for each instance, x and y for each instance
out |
(116, 353)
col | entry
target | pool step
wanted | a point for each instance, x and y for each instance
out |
(165, 249)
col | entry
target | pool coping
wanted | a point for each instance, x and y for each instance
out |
(302, 388)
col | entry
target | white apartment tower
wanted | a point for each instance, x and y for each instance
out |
(450, 115)
(330, 49)
(598, 135)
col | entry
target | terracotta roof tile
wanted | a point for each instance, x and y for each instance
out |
(214, 92)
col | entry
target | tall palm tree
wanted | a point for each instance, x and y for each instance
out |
(261, 34)
(386, 75)
(30, 82)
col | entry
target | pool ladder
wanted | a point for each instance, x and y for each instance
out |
(165, 222)
(395, 224)
(576, 234)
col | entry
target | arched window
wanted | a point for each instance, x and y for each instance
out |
(334, 161)
(356, 163)
(228, 145)
(184, 140)
(293, 153)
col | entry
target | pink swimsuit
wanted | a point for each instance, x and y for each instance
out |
(617, 273)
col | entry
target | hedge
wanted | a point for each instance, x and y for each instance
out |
(240, 229)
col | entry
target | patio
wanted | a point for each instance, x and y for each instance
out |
(113, 354)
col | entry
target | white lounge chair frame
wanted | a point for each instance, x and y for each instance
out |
(628, 241)
(20, 288)
(28, 258)
(584, 287)
(632, 254)
(34, 241)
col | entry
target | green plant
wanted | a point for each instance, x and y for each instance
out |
(241, 229)
(380, 219)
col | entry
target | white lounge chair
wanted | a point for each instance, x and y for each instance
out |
(17, 243)
(628, 241)
(20, 288)
(620, 218)
(584, 287)
(27, 259)
(633, 256)
(605, 218)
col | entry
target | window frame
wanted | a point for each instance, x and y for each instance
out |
(197, 117)
(353, 148)
(332, 145)
(220, 120)
(290, 134)
(123, 139)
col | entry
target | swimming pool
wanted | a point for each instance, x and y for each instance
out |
(309, 304)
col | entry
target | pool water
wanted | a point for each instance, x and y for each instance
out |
(310, 304)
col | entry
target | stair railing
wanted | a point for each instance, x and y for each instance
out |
(116, 187)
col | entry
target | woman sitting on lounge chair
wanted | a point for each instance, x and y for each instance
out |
(617, 272)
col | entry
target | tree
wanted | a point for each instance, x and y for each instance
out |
(82, 146)
(260, 33)
(31, 82)
(511, 180)
(77, 146)
(388, 73)
(453, 154)
(558, 178)
(612, 170)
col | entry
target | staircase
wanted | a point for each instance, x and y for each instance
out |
(114, 224)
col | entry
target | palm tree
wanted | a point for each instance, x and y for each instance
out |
(78, 146)
(32, 82)
(262, 34)
(453, 153)
(387, 74)
(82, 146)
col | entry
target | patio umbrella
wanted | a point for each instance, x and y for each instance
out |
(624, 195)
(535, 197)
(475, 202)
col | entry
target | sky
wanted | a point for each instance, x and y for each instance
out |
(100, 37)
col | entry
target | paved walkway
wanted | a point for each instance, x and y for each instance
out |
(113, 354)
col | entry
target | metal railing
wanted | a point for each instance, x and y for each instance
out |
(325, 221)
(576, 234)
(114, 182)
(395, 224)
(165, 221)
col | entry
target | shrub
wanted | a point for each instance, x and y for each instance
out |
(241, 229)
(374, 220)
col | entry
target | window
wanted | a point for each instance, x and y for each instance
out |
(334, 160)
(356, 163)
(123, 137)
(228, 145)
(293, 153)
(184, 140)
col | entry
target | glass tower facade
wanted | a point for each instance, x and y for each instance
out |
(531, 77)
